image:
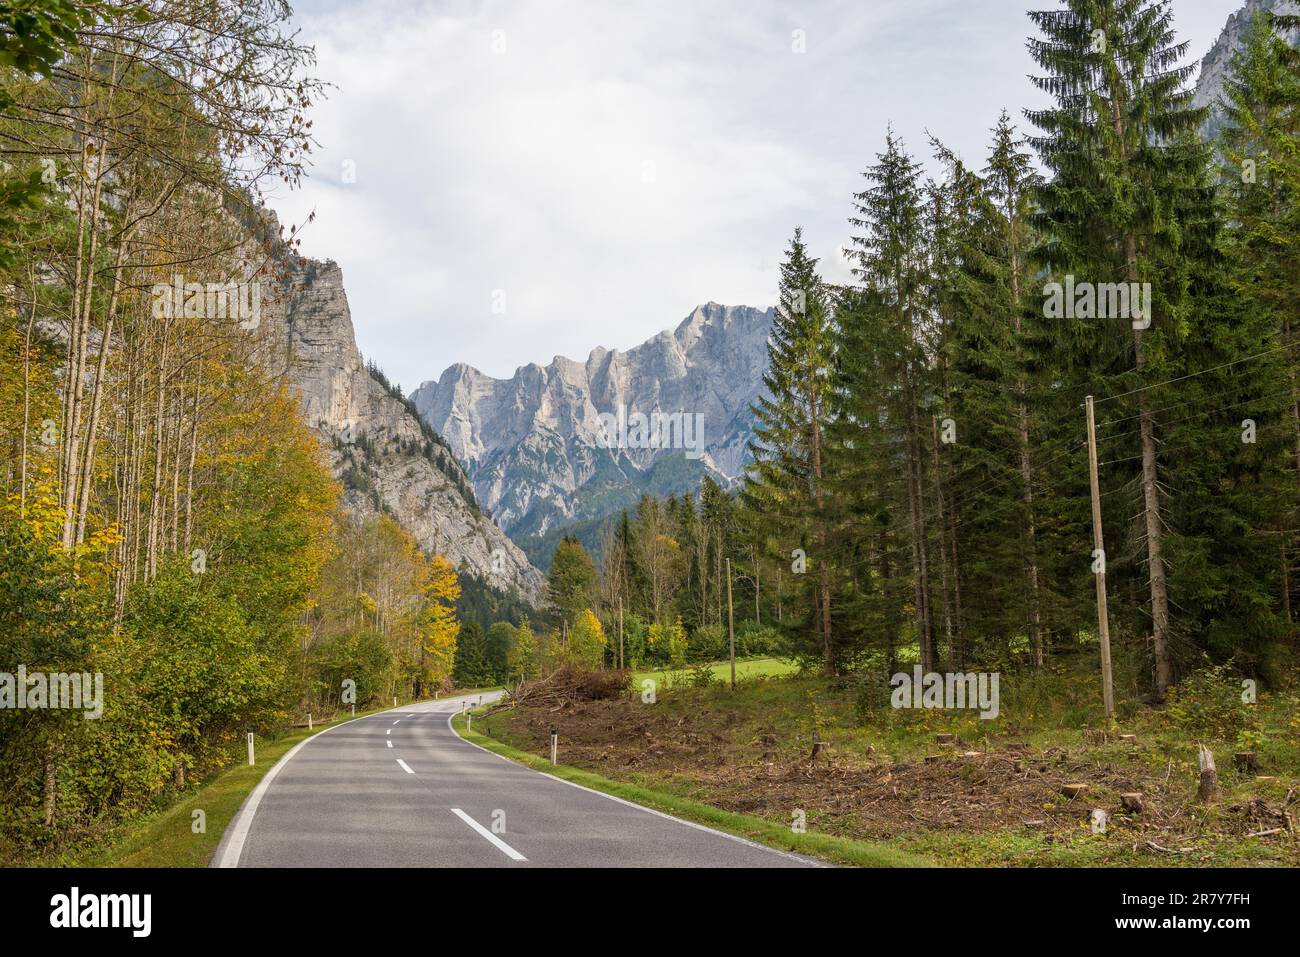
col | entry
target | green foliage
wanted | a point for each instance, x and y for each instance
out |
(498, 643)
(522, 661)
(571, 581)
(587, 641)
(471, 669)
(1209, 701)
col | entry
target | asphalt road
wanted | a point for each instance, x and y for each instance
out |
(401, 789)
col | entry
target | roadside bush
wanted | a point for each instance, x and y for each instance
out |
(709, 643)
(754, 640)
(702, 676)
(1209, 702)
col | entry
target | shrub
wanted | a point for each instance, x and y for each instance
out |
(1209, 701)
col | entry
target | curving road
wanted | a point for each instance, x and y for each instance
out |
(401, 789)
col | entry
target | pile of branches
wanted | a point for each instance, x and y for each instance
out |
(570, 684)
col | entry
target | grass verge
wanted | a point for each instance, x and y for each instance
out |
(825, 847)
(166, 837)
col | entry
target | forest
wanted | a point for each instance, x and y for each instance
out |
(920, 486)
(167, 520)
(920, 491)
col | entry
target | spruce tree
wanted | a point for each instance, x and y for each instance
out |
(471, 666)
(1126, 203)
(884, 371)
(990, 350)
(785, 484)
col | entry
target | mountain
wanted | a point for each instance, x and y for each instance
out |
(1217, 63)
(535, 448)
(388, 458)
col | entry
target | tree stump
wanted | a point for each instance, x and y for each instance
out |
(1208, 790)
(1129, 738)
(945, 739)
(1246, 761)
(1094, 736)
(1132, 802)
(1073, 790)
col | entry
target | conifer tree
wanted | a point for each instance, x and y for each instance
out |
(471, 667)
(884, 368)
(785, 485)
(1126, 204)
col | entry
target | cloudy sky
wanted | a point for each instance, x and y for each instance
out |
(504, 182)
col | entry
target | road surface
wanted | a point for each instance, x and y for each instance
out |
(401, 789)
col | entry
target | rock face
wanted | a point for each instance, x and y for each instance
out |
(1216, 66)
(534, 444)
(387, 457)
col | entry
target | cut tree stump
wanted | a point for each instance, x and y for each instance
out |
(1094, 736)
(945, 739)
(1073, 790)
(1246, 761)
(1208, 790)
(818, 748)
(1132, 802)
(933, 758)
(1128, 738)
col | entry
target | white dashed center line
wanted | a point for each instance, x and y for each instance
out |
(389, 743)
(405, 767)
(499, 844)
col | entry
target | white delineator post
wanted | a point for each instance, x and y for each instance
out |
(309, 724)
(250, 747)
(555, 743)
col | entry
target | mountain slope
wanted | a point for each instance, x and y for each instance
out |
(388, 458)
(532, 444)
(1217, 63)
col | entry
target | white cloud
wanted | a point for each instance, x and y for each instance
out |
(620, 163)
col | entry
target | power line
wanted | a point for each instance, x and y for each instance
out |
(1194, 375)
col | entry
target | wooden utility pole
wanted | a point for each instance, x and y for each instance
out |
(620, 632)
(1099, 565)
(731, 627)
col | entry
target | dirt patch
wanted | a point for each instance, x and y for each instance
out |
(731, 764)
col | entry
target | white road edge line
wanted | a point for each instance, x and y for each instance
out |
(232, 842)
(389, 731)
(405, 767)
(231, 847)
(500, 845)
(641, 807)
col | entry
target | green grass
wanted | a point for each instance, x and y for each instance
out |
(745, 668)
(165, 838)
(773, 720)
(836, 850)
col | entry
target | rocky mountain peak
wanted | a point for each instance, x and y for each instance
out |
(532, 444)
